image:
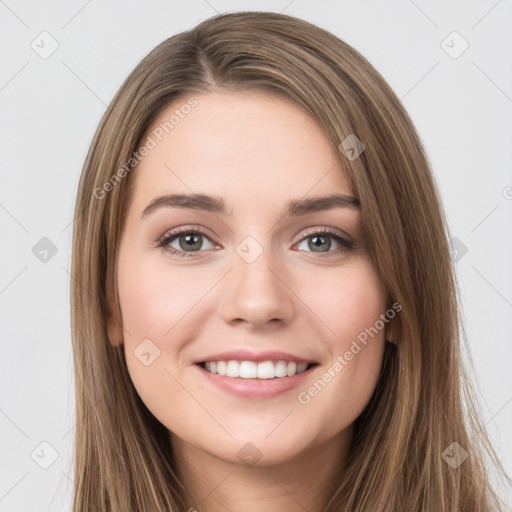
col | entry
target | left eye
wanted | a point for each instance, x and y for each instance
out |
(316, 242)
(191, 241)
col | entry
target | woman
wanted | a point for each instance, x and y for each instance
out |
(264, 307)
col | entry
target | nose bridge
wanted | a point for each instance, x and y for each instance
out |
(254, 292)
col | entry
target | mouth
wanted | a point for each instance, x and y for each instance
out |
(253, 380)
(265, 370)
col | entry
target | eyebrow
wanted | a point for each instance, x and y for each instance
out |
(215, 204)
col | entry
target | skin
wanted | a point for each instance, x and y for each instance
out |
(256, 151)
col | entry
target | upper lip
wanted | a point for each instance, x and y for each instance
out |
(251, 355)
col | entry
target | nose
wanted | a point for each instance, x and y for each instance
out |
(256, 295)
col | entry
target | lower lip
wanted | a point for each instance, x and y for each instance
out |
(256, 388)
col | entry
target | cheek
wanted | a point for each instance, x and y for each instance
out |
(351, 306)
(158, 307)
(347, 301)
(154, 298)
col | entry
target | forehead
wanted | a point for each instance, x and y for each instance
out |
(244, 146)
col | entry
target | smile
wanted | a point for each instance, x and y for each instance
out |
(256, 381)
(254, 370)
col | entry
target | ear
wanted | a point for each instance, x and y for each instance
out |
(114, 321)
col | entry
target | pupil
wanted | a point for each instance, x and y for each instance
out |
(317, 243)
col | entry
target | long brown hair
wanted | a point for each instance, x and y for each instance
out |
(423, 401)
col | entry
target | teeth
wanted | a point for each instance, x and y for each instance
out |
(281, 369)
(248, 370)
(266, 370)
(221, 367)
(233, 369)
(252, 370)
(291, 369)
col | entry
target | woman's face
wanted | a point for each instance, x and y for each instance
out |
(260, 281)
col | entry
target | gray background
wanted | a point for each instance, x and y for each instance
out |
(461, 104)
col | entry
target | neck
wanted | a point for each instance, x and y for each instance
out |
(304, 482)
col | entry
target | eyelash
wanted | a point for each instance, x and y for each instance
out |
(165, 240)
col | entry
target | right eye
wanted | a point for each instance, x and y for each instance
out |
(184, 239)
